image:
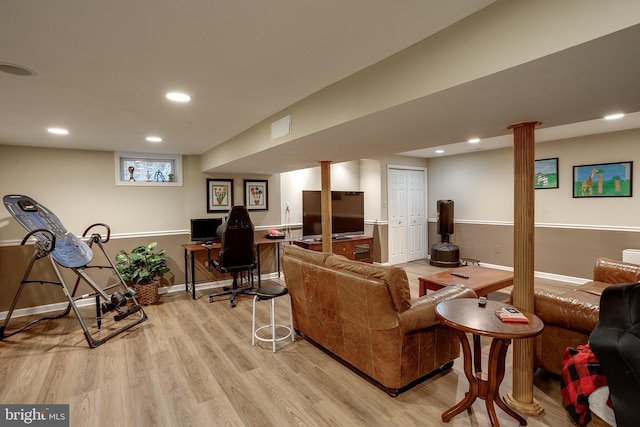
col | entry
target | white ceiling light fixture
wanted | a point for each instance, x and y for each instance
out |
(614, 116)
(154, 139)
(439, 151)
(58, 131)
(474, 140)
(178, 97)
(16, 70)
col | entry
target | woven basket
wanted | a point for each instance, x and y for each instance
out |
(148, 293)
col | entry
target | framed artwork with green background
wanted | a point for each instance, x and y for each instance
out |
(603, 180)
(546, 173)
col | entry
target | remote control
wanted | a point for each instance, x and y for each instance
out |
(464, 276)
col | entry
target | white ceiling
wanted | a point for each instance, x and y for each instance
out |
(103, 68)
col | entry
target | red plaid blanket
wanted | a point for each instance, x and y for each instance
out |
(581, 375)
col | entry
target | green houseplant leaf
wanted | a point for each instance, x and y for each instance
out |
(142, 265)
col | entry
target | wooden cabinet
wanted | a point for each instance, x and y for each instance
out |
(356, 248)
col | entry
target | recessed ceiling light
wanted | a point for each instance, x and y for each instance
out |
(439, 151)
(16, 70)
(178, 97)
(58, 131)
(474, 140)
(614, 116)
(154, 139)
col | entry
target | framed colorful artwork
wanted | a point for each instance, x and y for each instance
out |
(603, 180)
(546, 173)
(219, 194)
(256, 194)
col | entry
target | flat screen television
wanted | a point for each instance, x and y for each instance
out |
(347, 214)
(204, 229)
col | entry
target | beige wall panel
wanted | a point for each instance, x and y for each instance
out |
(559, 251)
(14, 261)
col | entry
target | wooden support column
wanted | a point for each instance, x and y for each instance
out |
(325, 205)
(521, 397)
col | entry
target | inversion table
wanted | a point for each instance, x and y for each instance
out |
(64, 249)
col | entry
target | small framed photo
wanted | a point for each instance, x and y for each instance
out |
(256, 194)
(603, 180)
(219, 194)
(546, 173)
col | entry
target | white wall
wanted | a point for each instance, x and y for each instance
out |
(78, 186)
(481, 183)
(371, 184)
(344, 177)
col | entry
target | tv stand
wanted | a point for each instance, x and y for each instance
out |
(357, 248)
(334, 238)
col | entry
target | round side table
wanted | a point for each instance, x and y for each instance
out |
(466, 316)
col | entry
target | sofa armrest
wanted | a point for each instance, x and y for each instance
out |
(566, 311)
(612, 271)
(422, 313)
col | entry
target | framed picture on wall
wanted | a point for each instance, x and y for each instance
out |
(219, 194)
(546, 173)
(256, 196)
(603, 180)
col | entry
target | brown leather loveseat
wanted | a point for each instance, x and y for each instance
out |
(570, 317)
(364, 315)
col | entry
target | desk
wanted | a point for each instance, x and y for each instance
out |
(482, 280)
(191, 248)
(464, 315)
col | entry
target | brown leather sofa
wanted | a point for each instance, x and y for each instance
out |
(570, 317)
(364, 315)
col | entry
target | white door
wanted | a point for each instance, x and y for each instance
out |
(407, 215)
(416, 229)
(397, 214)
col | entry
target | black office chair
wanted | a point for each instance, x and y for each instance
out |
(615, 342)
(237, 253)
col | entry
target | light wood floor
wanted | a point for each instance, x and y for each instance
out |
(192, 364)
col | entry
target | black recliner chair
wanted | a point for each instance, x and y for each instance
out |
(615, 342)
(237, 253)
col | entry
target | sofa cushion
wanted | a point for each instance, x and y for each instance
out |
(593, 287)
(395, 278)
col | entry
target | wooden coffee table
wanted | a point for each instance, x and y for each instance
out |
(464, 315)
(482, 280)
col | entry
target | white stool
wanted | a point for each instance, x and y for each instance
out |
(271, 292)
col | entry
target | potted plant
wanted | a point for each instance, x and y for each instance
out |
(142, 268)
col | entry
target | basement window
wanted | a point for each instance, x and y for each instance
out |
(148, 169)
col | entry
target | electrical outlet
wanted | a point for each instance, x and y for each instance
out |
(498, 249)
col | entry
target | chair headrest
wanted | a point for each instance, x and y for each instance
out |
(239, 217)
